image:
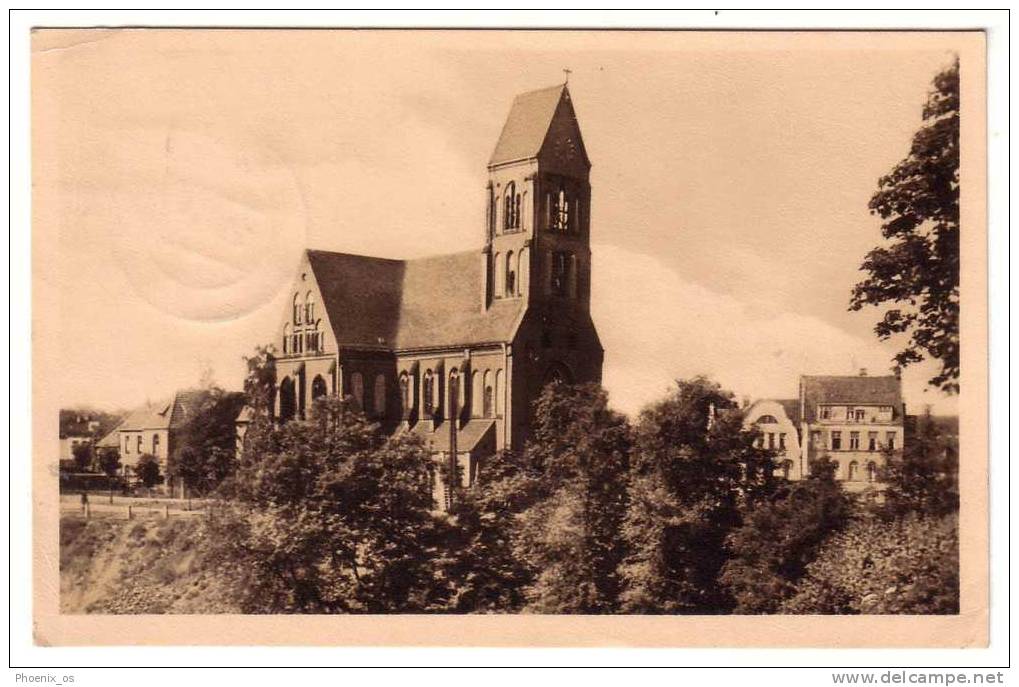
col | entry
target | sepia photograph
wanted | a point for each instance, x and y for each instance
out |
(363, 330)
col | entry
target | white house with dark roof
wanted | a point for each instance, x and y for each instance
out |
(852, 420)
(456, 348)
(150, 429)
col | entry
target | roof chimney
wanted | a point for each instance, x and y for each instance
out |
(863, 372)
(897, 371)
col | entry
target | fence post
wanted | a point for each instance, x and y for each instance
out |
(88, 511)
(129, 514)
(166, 512)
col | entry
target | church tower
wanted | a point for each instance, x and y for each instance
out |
(538, 251)
(537, 235)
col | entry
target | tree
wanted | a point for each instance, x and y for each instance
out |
(205, 442)
(692, 467)
(569, 534)
(82, 456)
(484, 571)
(109, 463)
(329, 516)
(260, 380)
(918, 272)
(924, 477)
(147, 470)
(780, 536)
(909, 565)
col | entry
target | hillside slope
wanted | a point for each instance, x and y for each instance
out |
(137, 566)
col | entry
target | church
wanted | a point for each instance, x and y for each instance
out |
(456, 348)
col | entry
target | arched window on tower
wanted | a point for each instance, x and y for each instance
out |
(511, 208)
(522, 271)
(561, 210)
(491, 211)
(511, 275)
(298, 310)
(286, 338)
(477, 394)
(499, 267)
(487, 408)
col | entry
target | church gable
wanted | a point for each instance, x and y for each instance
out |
(562, 149)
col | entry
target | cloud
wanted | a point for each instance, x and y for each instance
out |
(656, 326)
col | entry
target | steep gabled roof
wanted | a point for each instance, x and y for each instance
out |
(401, 304)
(850, 390)
(792, 409)
(528, 123)
(112, 438)
(150, 416)
(361, 294)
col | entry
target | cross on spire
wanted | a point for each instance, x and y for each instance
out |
(567, 72)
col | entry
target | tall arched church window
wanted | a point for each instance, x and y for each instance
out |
(511, 275)
(477, 394)
(286, 338)
(428, 393)
(288, 400)
(357, 389)
(309, 307)
(405, 394)
(379, 394)
(487, 408)
(298, 310)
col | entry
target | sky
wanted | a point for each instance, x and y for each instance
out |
(177, 175)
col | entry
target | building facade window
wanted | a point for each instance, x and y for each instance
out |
(861, 414)
(781, 441)
(498, 391)
(127, 444)
(815, 438)
(890, 441)
(787, 468)
(836, 441)
(854, 441)
(771, 441)
(155, 444)
(871, 441)
(825, 413)
(835, 468)
(854, 469)
(139, 443)
(871, 471)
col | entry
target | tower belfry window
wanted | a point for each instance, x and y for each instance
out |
(560, 210)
